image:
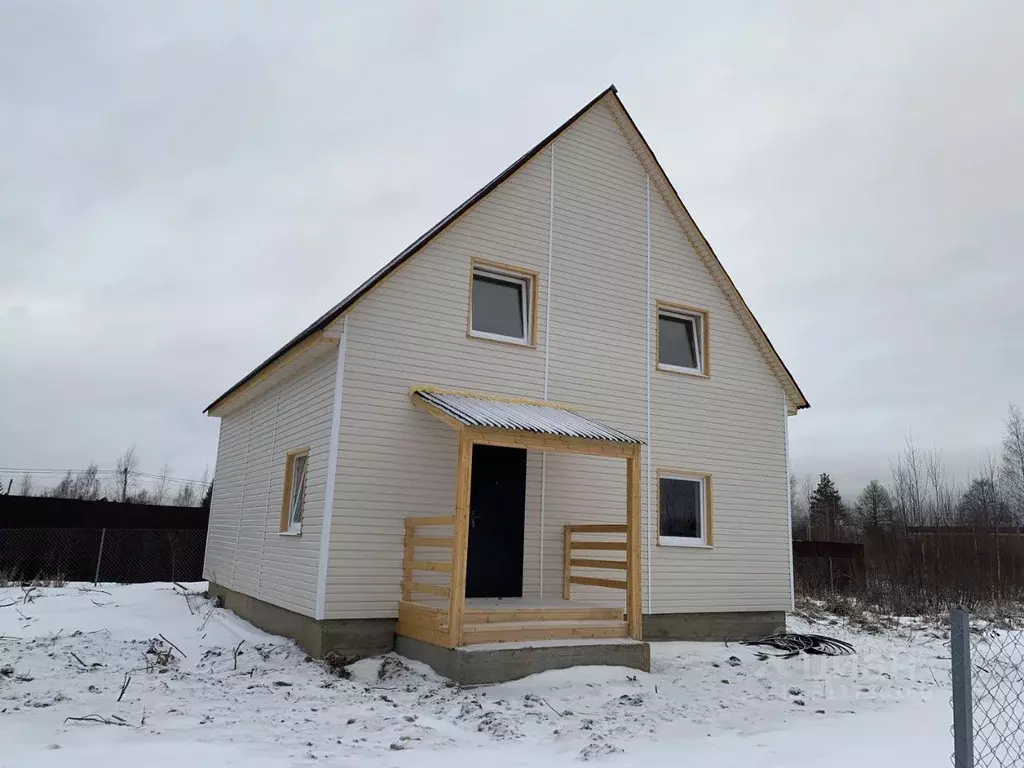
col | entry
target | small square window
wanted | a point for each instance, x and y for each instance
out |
(681, 341)
(294, 492)
(683, 510)
(501, 305)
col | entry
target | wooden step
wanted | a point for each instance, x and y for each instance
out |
(511, 632)
(581, 613)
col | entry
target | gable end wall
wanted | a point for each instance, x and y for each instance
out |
(245, 551)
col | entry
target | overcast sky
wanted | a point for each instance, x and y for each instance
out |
(185, 185)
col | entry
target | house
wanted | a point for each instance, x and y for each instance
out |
(552, 417)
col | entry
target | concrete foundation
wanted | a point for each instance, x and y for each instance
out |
(742, 625)
(476, 665)
(349, 637)
(473, 665)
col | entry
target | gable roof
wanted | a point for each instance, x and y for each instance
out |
(651, 164)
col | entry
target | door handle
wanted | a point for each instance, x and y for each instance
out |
(472, 518)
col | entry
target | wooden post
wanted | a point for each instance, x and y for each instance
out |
(634, 618)
(567, 563)
(460, 540)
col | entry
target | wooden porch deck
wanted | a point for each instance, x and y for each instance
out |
(486, 620)
(517, 619)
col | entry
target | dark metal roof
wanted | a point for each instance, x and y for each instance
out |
(474, 411)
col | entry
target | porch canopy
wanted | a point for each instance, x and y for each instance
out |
(537, 417)
(486, 419)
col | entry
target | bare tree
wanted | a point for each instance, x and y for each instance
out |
(160, 490)
(125, 482)
(186, 496)
(942, 505)
(1011, 470)
(983, 505)
(25, 486)
(79, 485)
(908, 486)
(205, 486)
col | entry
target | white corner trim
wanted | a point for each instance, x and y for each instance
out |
(789, 502)
(332, 474)
(547, 351)
(647, 316)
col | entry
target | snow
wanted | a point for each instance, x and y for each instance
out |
(65, 653)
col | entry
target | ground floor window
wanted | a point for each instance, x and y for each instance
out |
(294, 491)
(684, 503)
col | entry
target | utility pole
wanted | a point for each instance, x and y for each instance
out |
(124, 486)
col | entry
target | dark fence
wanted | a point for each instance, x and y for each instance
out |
(78, 540)
(837, 566)
(910, 570)
(964, 565)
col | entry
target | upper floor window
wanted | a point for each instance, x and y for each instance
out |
(682, 339)
(502, 303)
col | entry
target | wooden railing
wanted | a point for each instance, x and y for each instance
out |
(410, 564)
(429, 623)
(572, 546)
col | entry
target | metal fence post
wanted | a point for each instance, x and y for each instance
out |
(99, 556)
(963, 716)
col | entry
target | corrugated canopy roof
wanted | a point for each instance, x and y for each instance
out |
(540, 418)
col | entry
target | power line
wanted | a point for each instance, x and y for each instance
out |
(148, 475)
(37, 470)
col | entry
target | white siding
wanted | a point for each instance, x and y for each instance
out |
(222, 533)
(248, 554)
(732, 426)
(396, 461)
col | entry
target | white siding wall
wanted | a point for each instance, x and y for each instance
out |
(251, 556)
(731, 425)
(396, 461)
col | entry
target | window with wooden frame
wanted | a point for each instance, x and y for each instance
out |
(684, 508)
(294, 497)
(683, 339)
(502, 303)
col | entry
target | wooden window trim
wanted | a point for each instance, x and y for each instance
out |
(498, 267)
(670, 308)
(289, 466)
(708, 541)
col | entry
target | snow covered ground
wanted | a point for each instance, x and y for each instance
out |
(66, 653)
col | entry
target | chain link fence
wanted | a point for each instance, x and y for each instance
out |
(987, 673)
(121, 555)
